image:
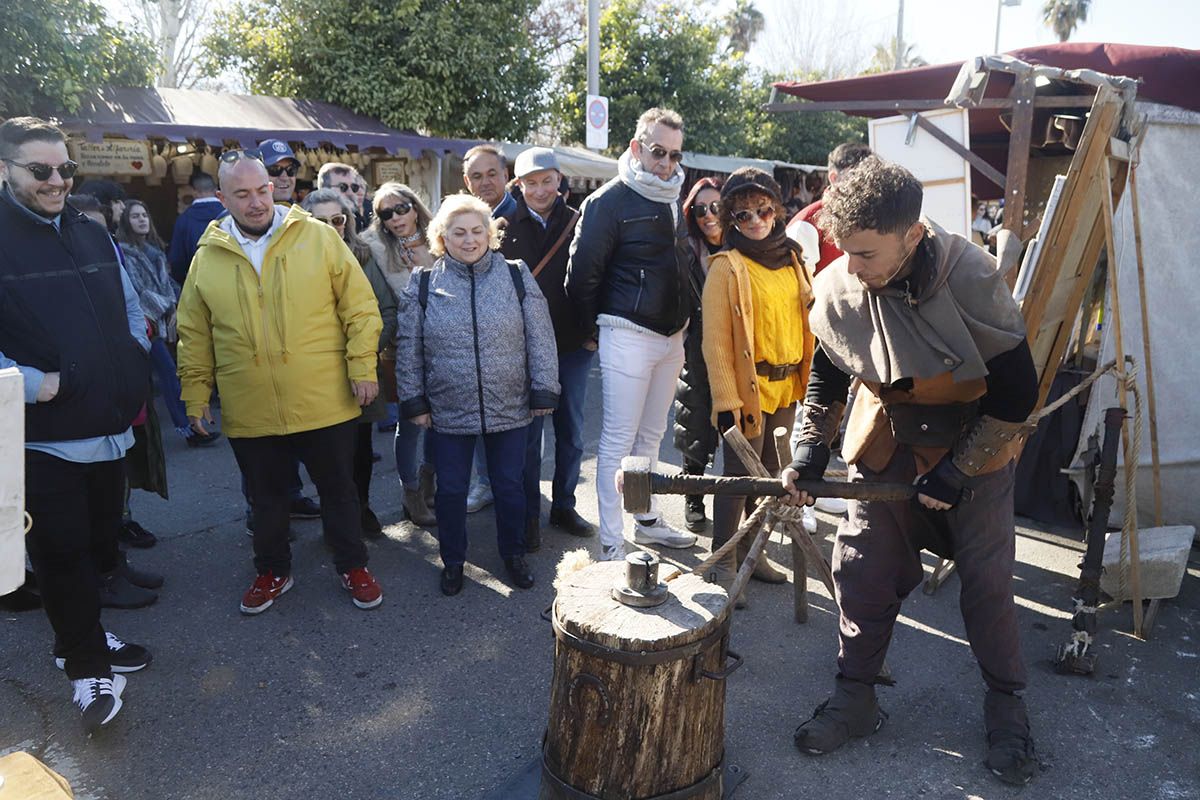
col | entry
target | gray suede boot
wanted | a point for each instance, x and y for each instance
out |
(1011, 756)
(851, 712)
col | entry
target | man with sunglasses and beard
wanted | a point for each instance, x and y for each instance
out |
(282, 166)
(921, 317)
(70, 321)
(345, 179)
(628, 278)
(278, 314)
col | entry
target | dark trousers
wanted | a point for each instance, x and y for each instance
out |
(364, 462)
(877, 562)
(295, 486)
(573, 370)
(76, 511)
(452, 456)
(728, 508)
(328, 453)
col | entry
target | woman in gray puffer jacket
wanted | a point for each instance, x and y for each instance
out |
(475, 356)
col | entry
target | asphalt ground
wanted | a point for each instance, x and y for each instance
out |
(432, 698)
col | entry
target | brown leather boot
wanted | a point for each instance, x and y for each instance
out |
(417, 509)
(1011, 756)
(765, 569)
(852, 712)
(428, 478)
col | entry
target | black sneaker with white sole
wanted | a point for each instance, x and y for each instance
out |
(122, 656)
(98, 699)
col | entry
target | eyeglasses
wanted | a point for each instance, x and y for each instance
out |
(337, 220)
(233, 156)
(41, 172)
(745, 215)
(702, 210)
(276, 170)
(349, 187)
(659, 152)
(398, 210)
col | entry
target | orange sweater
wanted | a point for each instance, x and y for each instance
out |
(729, 335)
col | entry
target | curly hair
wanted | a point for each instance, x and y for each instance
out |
(876, 195)
(456, 205)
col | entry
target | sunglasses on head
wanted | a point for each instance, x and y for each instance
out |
(745, 215)
(232, 156)
(702, 210)
(659, 152)
(276, 170)
(337, 220)
(349, 187)
(398, 210)
(41, 172)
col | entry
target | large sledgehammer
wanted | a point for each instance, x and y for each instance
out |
(639, 483)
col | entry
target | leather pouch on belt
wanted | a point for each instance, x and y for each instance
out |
(918, 425)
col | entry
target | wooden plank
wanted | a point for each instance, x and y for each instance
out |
(904, 106)
(1135, 571)
(1148, 362)
(1019, 140)
(985, 169)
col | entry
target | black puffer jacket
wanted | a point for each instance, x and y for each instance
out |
(694, 435)
(630, 258)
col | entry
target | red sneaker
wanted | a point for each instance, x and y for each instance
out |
(262, 593)
(364, 589)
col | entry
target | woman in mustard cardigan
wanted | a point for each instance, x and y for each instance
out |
(757, 345)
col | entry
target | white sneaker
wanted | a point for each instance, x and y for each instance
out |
(99, 699)
(613, 552)
(659, 532)
(808, 519)
(832, 505)
(479, 497)
(122, 656)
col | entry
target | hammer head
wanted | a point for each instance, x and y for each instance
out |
(636, 484)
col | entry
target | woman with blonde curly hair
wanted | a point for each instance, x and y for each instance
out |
(475, 357)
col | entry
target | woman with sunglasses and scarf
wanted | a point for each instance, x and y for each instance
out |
(397, 240)
(334, 209)
(694, 435)
(757, 343)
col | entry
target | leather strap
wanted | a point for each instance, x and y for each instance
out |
(776, 372)
(562, 238)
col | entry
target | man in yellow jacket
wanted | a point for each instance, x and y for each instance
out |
(278, 314)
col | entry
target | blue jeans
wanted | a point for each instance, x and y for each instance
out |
(452, 455)
(412, 450)
(168, 382)
(479, 466)
(573, 370)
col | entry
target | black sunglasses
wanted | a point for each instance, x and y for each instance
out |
(702, 210)
(337, 220)
(745, 215)
(232, 156)
(398, 210)
(276, 170)
(349, 187)
(41, 172)
(659, 152)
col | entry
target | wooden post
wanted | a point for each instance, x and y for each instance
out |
(1149, 362)
(1135, 579)
(1023, 94)
(783, 454)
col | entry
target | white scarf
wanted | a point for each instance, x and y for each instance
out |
(647, 184)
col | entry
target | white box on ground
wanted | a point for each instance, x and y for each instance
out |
(1163, 555)
(12, 480)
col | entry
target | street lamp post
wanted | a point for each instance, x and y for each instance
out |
(999, 5)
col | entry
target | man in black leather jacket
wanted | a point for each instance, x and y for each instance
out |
(628, 276)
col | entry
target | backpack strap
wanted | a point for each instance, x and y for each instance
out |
(514, 269)
(423, 289)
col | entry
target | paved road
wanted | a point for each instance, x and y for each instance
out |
(434, 698)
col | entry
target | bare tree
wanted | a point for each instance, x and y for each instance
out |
(811, 38)
(558, 29)
(177, 28)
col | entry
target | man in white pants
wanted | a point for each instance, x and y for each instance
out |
(629, 272)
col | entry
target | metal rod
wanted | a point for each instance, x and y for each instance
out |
(593, 53)
(771, 487)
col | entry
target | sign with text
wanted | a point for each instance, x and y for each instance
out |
(114, 157)
(597, 122)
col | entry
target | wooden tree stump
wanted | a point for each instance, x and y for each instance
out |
(637, 704)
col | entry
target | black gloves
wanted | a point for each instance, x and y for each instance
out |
(811, 461)
(725, 421)
(944, 482)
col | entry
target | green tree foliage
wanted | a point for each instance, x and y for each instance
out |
(658, 55)
(459, 68)
(884, 58)
(744, 23)
(1064, 16)
(666, 54)
(56, 50)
